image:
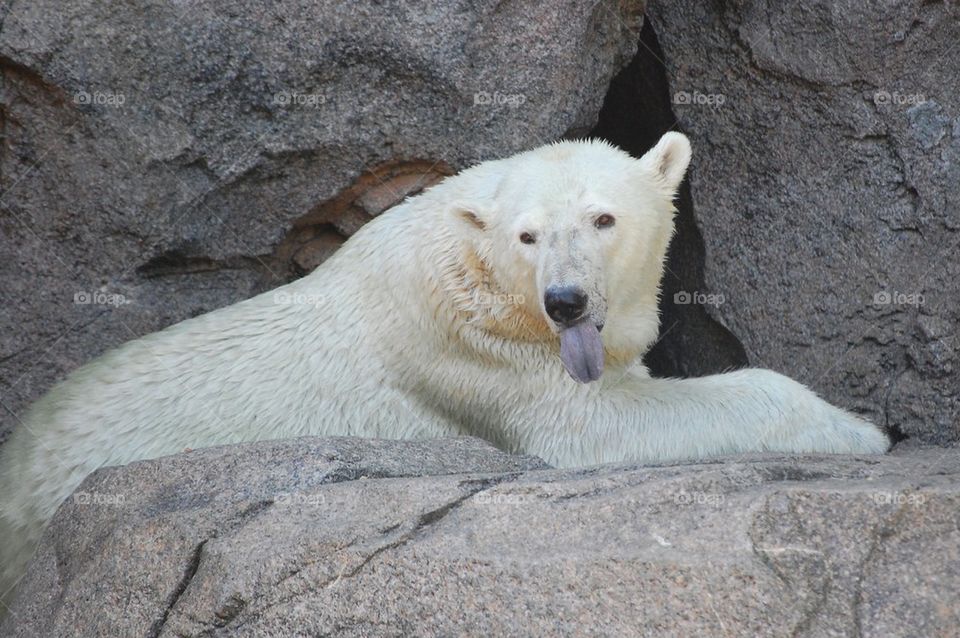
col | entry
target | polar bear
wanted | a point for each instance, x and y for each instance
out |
(511, 302)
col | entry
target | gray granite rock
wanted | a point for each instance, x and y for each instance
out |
(162, 159)
(183, 501)
(272, 539)
(826, 185)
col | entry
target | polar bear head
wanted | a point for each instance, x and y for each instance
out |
(566, 243)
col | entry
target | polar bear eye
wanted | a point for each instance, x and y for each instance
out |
(527, 238)
(604, 221)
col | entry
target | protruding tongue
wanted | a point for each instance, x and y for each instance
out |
(581, 351)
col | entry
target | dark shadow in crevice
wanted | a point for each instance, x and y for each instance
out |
(636, 112)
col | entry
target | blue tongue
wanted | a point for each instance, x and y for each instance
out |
(581, 351)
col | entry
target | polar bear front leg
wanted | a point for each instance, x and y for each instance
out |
(752, 410)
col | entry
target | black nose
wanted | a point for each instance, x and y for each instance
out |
(565, 304)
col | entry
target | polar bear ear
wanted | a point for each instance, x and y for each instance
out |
(470, 218)
(668, 160)
(474, 199)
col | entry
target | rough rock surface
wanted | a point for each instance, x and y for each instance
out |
(158, 159)
(260, 540)
(164, 512)
(826, 183)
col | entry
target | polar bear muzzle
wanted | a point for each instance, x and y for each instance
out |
(581, 349)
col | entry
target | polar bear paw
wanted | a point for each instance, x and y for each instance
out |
(837, 431)
(809, 424)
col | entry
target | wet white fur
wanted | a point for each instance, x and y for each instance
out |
(396, 337)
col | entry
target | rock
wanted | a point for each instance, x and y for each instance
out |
(166, 510)
(826, 185)
(315, 251)
(161, 153)
(262, 539)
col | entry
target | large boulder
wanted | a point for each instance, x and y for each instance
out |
(153, 519)
(826, 184)
(162, 159)
(334, 537)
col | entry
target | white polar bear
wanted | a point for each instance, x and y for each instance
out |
(475, 308)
